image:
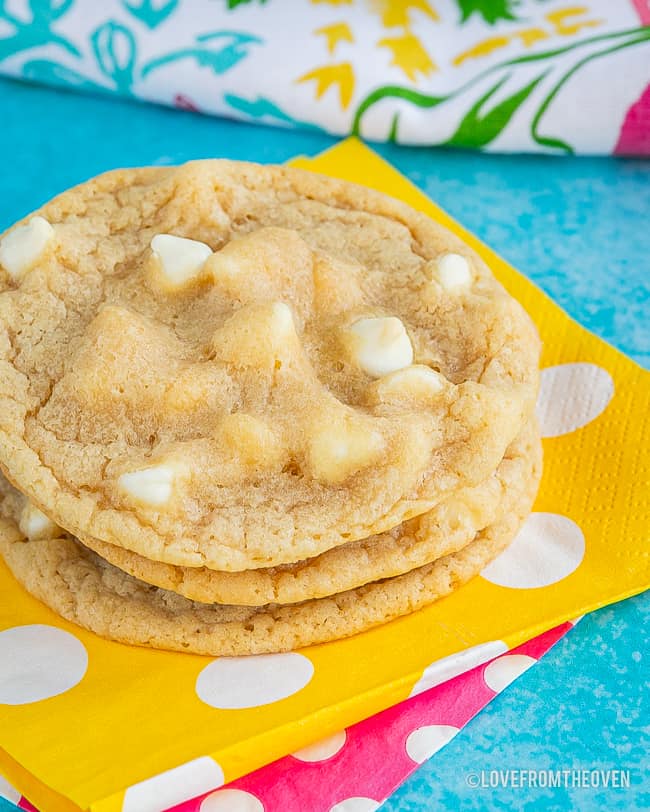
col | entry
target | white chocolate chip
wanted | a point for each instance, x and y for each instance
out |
(34, 524)
(453, 272)
(338, 448)
(151, 486)
(279, 340)
(181, 260)
(257, 334)
(281, 320)
(251, 439)
(22, 247)
(417, 382)
(379, 345)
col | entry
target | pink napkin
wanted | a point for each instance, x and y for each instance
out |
(369, 760)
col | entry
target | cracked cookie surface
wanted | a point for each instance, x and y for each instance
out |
(231, 366)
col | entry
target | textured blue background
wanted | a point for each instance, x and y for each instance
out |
(580, 228)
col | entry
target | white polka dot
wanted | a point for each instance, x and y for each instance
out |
(548, 548)
(423, 742)
(247, 682)
(8, 792)
(324, 749)
(504, 670)
(174, 786)
(231, 800)
(356, 804)
(449, 667)
(572, 395)
(39, 662)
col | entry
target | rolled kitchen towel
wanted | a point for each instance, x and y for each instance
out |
(549, 76)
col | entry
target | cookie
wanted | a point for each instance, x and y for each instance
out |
(85, 589)
(236, 366)
(445, 529)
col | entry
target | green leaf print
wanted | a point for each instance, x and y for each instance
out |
(642, 35)
(234, 3)
(394, 126)
(115, 51)
(423, 100)
(491, 10)
(150, 13)
(477, 130)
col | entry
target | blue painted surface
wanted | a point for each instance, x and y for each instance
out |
(580, 228)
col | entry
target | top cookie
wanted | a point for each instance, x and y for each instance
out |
(237, 366)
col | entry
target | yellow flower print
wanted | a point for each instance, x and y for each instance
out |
(329, 75)
(529, 36)
(557, 19)
(409, 55)
(335, 33)
(332, 2)
(483, 48)
(397, 12)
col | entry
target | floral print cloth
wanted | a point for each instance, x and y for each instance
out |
(552, 76)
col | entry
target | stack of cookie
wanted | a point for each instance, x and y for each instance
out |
(245, 409)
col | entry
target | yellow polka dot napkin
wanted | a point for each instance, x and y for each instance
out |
(94, 725)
